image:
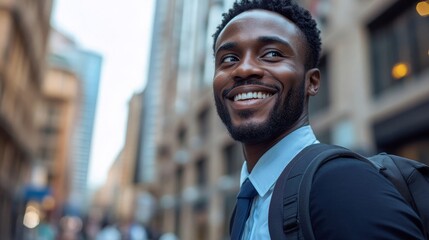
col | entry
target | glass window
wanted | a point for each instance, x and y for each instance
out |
(179, 181)
(416, 150)
(233, 159)
(181, 136)
(203, 124)
(178, 188)
(53, 113)
(399, 46)
(229, 204)
(202, 174)
(200, 205)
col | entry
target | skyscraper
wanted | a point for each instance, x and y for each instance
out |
(87, 67)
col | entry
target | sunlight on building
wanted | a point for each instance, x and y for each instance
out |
(423, 8)
(400, 70)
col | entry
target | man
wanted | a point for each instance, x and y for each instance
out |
(266, 56)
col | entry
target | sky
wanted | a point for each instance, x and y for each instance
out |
(120, 32)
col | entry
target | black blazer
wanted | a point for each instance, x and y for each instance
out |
(350, 200)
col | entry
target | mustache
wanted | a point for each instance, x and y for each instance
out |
(246, 82)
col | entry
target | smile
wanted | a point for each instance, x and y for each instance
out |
(251, 95)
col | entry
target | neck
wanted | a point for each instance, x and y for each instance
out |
(254, 151)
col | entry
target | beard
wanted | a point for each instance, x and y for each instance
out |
(282, 118)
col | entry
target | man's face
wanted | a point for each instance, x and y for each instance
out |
(259, 85)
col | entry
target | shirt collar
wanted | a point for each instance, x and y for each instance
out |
(269, 167)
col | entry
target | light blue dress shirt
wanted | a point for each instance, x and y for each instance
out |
(264, 176)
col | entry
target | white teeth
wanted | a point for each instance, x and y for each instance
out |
(251, 95)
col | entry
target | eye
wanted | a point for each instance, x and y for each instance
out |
(272, 54)
(229, 59)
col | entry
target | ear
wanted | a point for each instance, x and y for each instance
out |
(312, 78)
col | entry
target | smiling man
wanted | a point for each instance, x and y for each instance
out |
(266, 56)
(261, 81)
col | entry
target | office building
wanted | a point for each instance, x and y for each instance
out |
(24, 29)
(87, 67)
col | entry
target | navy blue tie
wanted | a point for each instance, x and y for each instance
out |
(242, 210)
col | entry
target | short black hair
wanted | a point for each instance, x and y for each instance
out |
(287, 8)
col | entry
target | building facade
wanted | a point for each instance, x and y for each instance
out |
(373, 97)
(24, 29)
(86, 65)
(162, 59)
(375, 64)
(188, 138)
(56, 120)
(121, 200)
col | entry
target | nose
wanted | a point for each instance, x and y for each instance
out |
(248, 67)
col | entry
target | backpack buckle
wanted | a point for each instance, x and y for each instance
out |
(290, 224)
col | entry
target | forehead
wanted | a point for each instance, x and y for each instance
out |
(255, 23)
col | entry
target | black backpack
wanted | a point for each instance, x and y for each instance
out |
(289, 215)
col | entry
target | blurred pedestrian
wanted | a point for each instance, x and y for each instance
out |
(168, 236)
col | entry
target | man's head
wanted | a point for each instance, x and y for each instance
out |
(265, 60)
(290, 10)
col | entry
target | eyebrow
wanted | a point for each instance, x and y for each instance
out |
(264, 39)
(226, 46)
(274, 39)
(278, 40)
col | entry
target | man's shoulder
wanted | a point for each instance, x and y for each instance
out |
(349, 171)
(345, 164)
(351, 198)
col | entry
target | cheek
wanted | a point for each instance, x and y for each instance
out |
(220, 82)
(216, 86)
(288, 76)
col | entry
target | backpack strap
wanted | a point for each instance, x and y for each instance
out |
(412, 182)
(289, 212)
(418, 182)
(391, 171)
(285, 221)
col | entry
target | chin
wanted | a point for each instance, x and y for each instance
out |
(252, 133)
